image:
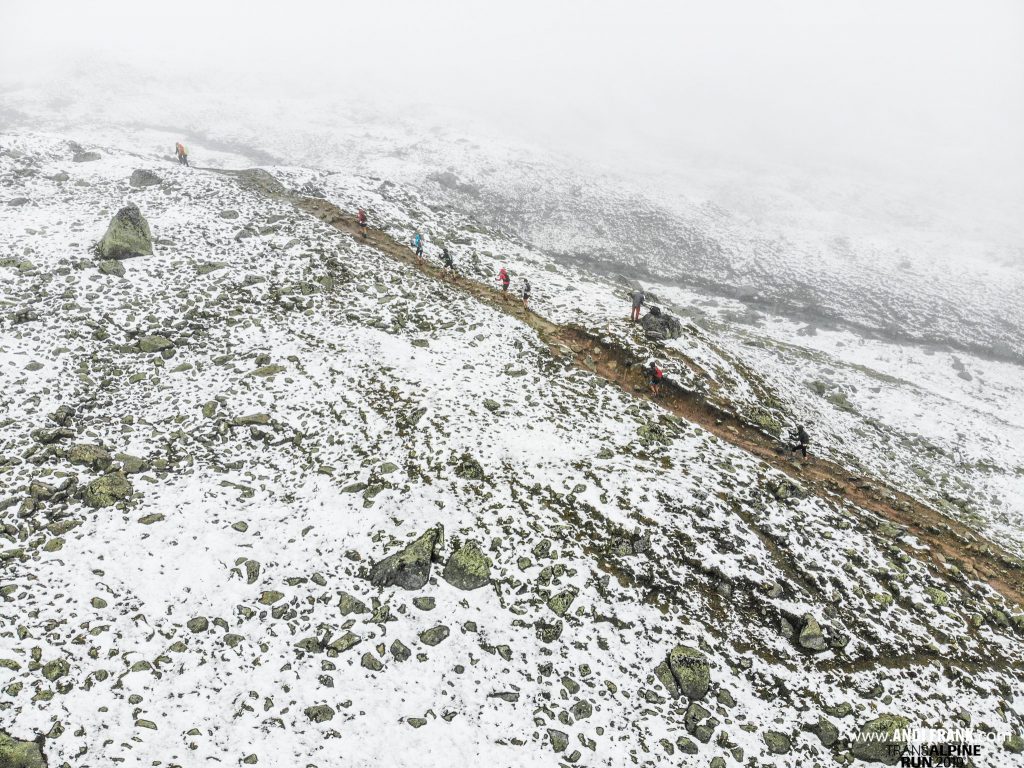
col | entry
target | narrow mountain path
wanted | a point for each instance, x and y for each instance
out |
(948, 541)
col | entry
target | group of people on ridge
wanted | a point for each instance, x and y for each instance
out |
(799, 440)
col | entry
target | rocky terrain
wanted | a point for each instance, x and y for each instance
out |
(275, 494)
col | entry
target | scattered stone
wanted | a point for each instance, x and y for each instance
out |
(778, 743)
(468, 567)
(108, 490)
(876, 740)
(559, 739)
(371, 662)
(141, 178)
(154, 343)
(434, 635)
(112, 267)
(410, 568)
(689, 670)
(319, 713)
(811, 637)
(348, 604)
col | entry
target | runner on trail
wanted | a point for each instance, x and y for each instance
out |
(361, 218)
(654, 377)
(504, 279)
(802, 440)
(180, 151)
(447, 261)
(526, 294)
(638, 297)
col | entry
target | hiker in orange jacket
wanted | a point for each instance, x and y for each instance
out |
(179, 150)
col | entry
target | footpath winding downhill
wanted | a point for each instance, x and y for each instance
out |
(947, 540)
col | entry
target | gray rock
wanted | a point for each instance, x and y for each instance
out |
(410, 568)
(320, 713)
(811, 637)
(659, 326)
(777, 742)
(468, 567)
(877, 740)
(127, 235)
(108, 490)
(825, 730)
(690, 669)
(349, 604)
(434, 635)
(559, 739)
(112, 267)
(141, 178)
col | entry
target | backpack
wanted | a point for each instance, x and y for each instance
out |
(657, 375)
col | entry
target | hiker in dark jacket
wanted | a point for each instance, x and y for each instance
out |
(526, 294)
(802, 440)
(448, 263)
(638, 297)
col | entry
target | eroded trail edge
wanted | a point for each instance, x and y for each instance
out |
(948, 541)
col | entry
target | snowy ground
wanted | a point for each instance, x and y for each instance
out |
(317, 406)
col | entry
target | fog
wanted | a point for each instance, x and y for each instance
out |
(928, 91)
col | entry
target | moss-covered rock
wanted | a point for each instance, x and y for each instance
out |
(108, 490)
(468, 567)
(154, 343)
(320, 713)
(410, 568)
(127, 235)
(878, 741)
(15, 753)
(690, 669)
(94, 456)
(434, 635)
(811, 637)
(777, 742)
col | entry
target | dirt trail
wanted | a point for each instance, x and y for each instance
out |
(948, 540)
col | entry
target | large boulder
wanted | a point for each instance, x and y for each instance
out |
(108, 490)
(811, 637)
(141, 178)
(468, 567)
(21, 754)
(660, 326)
(685, 673)
(410, 568)
(127, 235)
(879, 740)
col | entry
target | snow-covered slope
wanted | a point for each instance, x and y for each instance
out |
(207, 458)
(901, 262)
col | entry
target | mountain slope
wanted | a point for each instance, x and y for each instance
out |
(273, 407)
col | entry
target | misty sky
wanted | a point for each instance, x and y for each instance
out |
(915, 87)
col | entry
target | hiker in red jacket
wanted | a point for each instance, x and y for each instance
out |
(361, 218)
(504, 279)
(654, 377)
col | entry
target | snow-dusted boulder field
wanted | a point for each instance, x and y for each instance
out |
(269, 496)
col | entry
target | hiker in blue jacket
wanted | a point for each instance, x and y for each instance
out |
(417, 243)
